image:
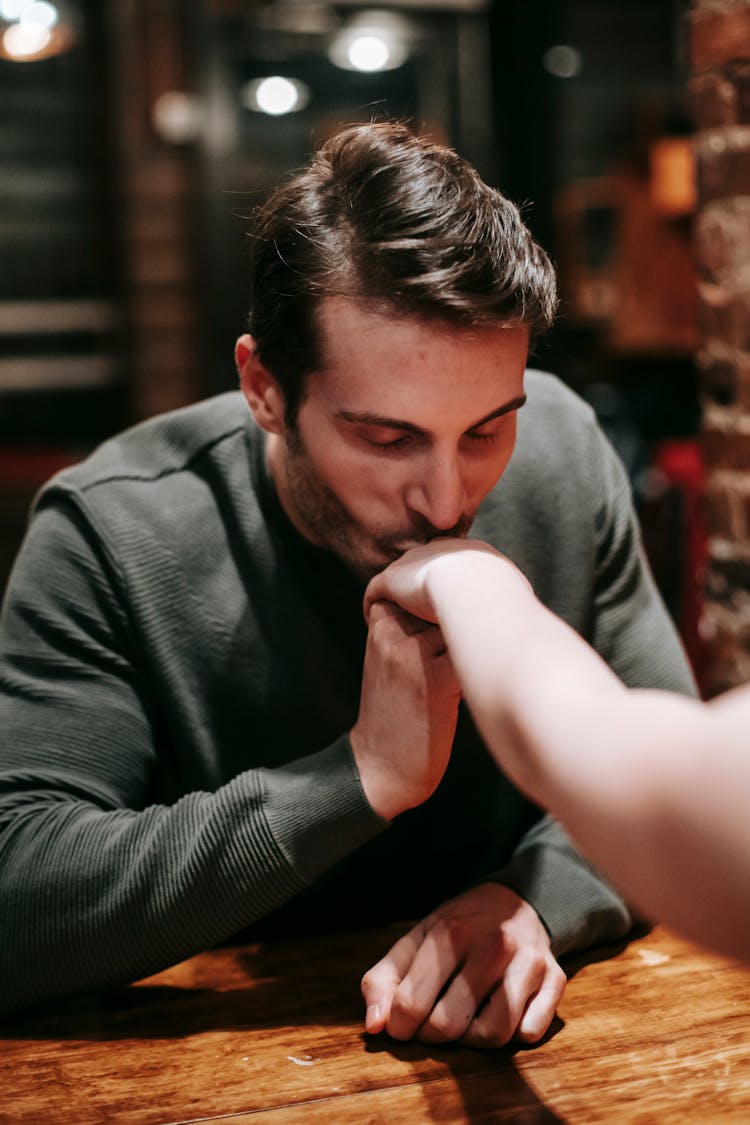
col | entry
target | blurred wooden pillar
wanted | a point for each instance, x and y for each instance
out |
(720, 92)
(157, 187)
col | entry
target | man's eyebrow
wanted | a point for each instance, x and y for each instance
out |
(508, 408)
(365, 418)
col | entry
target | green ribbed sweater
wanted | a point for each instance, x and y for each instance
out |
(178, 671)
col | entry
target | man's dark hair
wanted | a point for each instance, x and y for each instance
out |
(383, 215)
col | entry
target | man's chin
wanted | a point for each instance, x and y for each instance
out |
(361, 567)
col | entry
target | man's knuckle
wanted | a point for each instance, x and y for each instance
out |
(406, 1005)
(491, 1037)
(446, 1028)
(519, 963)
(370, 980)
(557, 977)
(499, 959)
(504, 936)
(378, 628)
(554, 978)
(540, 962)
(533, 962)
(455, 931)
(531, 1034)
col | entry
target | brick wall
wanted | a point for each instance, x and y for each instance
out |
(719, 36)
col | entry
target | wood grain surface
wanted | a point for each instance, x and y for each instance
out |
(657, 1031)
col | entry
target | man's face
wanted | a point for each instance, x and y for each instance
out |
(401, 434)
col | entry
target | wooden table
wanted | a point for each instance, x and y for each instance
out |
(272, 1035)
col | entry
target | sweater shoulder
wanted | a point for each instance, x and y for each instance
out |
(552, 404)
(557, 479)
(161, 447)
(559, 440)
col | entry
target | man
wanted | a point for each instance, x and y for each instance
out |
(200, 733)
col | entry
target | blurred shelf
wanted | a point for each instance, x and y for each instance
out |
(47, 373)
(25, 318)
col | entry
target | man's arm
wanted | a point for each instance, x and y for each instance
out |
(104, 878)
(628, 771)
(100, 881)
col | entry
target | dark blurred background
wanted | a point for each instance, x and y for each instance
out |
(137, 136)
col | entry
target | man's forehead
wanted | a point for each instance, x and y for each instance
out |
(333, 314)
(353, 336)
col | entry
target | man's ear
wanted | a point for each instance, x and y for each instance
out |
(261, 391)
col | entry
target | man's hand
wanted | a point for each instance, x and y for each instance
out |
(478, 970)
(408, 709)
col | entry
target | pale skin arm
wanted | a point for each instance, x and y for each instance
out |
(653, 787)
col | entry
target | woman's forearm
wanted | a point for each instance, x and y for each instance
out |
(653, 786)
(528, 678)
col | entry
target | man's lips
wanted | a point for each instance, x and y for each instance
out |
(393, 549)
(396, 550)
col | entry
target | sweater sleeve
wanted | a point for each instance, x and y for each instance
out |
(99, 884)
(631, 629)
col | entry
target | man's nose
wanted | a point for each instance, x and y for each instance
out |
(439, 495)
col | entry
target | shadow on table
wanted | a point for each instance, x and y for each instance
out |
(490, 1086)
(285, 985)
(471, 1085)
(240, 988)
(255, 988)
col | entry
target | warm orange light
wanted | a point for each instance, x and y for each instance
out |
(672, 185)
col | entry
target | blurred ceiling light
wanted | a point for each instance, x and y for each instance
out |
(275, 95)
(368, 52)
(371, 41)
(562, 61)
(39, 13)
(178, 117)
(22, 41)
(34, 29)
(11, 9)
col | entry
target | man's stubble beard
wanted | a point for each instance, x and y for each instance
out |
(325, 521)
